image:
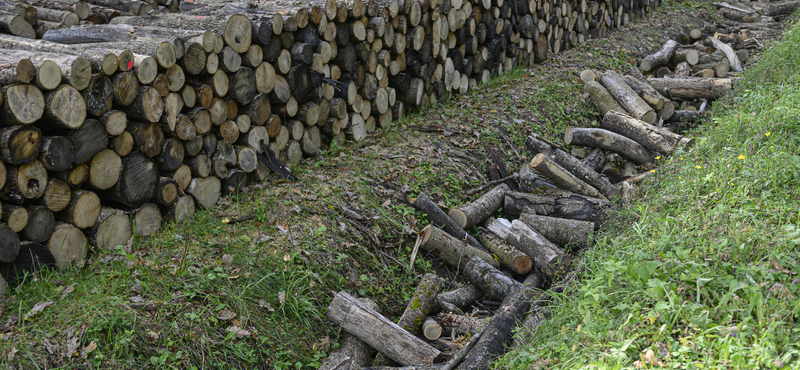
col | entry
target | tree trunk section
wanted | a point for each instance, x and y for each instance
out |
(113, 229)
(601, 98)
(660, 57)
(474, 213)
(19, 144)
(509, 256)
(137, 182)
(41, 224)
(147, 219)
(27, 181)
(14, 216)
(23, 104)
(627, 98)
(56, 196)
(488, 279)
(68, 245)
(205, 190)
(557, 204)
(560, 231)
(453, 251)
(656, 139)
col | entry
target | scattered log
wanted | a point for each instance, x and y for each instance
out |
(474, 213)
(601, 98)
(453, 251)
(508, 256)
(424, 204)
(458, 299)
(500, 330)
(488, 279)
(607, 140)
(557, 204)
(353, 353)
(627, 98)
(379, 332)
(693, 88)
(736, 66)
(561, 231)
(431, 329)
(453, 324)
(561, 177)
(656, 139)
(547, 257)
(660, 57)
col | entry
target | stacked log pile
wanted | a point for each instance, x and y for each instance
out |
(117, 114)
(564, 195)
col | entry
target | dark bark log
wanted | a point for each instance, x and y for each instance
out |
(88, 140)
(9, 244)
(488, 279)
(557, 204)
(41, 224)
(379, 332)
(57, 153)
(32, 257)
(456, 300)
(560, 231)
(438, 217)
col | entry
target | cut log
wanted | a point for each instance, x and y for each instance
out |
(548, 258)
(488, 279)
(23, 71)
(627, 98)
(561, 177)
(500, 330)
(88, 140)
(182, 210)
(114, 121)
(113, 229)
(601, 98)
(647, 92)
(41, 224)
(474, 213)
(68, 245)
(98, 95)
(122, 144)
(781, 8)
(508, 256)
(736, 66)
(557, 204)
(353, 353)
(171, 156)
(453, 251)
(14, 216)
(693, 88)
(147, 220)
(560, 231)
(379, 332)
(205, 190)
(234, 183)
(148, 137)
(56, 195)
(83, 209)
(595, 160)
(137, 182)
(9, 244)
(456, 300)
(607, 140)
(104, 169)
(656, 139)
(23, 104)
(19, 144)
(27, 181)
(148, 105)
(32, 258)
(454, 324)
(660, 57)
(424, 204)
(431, 329)
(16, 25)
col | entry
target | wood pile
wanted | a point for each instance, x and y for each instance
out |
(563, 197)
(116, 114)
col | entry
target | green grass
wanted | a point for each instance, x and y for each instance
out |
(703, 269)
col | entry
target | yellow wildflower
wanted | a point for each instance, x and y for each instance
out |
(699, 167)
(767, 134)
(741, 156)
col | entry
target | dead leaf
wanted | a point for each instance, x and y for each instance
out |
(264, 304)
(227, 259)
(12, 353)
(342, 226)
(287, 257)
(67, 291)
(136, 299)
(282, 297)
(387, 203)
(780, 268)
(239, 331)
(225, 314)
(779, 363)
(36, 309)
(650, 358)
(88, 349)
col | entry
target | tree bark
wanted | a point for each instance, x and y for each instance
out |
(379, 332)
(547, 257)
(607, 140)
(353, 352)
(557, 204)
(458, 324)
(458, 299)
(438, 217)
(488, 279)
(453, 251)
(561, 177)
(474, 213)
(627, 98)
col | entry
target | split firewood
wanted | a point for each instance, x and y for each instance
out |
(656, 139)
(474, 213)
(557, 204)
(431, 329)
(438, 217)
(560, 231)
(453, 251)
(380, 333)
